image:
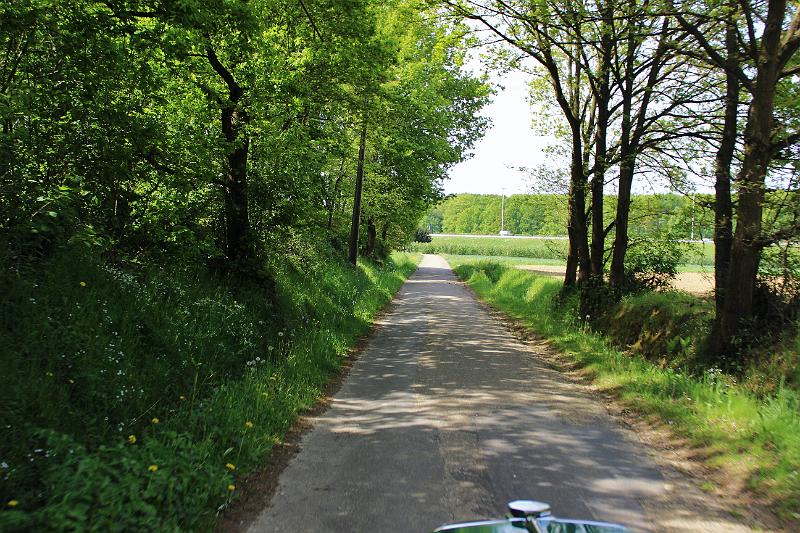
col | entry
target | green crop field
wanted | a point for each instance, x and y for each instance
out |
(495, 246)
(552, 251)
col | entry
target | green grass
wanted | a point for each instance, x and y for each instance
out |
(513, 261)
(697, 255)
(134, 397)
(537, 261)
(555, 249)
(757, 435)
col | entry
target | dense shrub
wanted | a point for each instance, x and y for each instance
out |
(422, 235)
(133, 394)
(653, 263)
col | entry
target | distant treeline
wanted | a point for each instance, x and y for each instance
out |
(546, 214)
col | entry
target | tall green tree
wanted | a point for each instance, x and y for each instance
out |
(768, 36)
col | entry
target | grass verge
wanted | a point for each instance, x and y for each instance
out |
(738, 430)
(134, 397)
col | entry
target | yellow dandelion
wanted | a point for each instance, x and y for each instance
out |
(152, 468)
(181, 397)
(132, 439)
(248, 424)
(83, 283)
(12, 503)
(231, 487)
(155, 420)
(230, 466)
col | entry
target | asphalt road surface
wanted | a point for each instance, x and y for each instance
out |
(447, 417)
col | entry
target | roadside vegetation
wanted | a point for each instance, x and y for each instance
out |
(678, 95)
(644, 349)
(136, 397)
(551, 251)
(198, 207)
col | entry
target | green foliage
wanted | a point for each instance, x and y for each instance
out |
(183, 361)
(524, 214)
(422, 235)
(118, 126)
(111, 130)
(653, 263)
(546, 214)
(754, 434)
(495, 246)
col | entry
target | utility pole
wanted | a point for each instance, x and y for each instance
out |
(502, 211)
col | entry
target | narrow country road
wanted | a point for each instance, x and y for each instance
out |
(446, 417)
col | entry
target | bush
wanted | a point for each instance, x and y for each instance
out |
(109, 369)
(422, 235)
(652, 264)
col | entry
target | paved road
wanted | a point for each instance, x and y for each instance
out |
(447, 417)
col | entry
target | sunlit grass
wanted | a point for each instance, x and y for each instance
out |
(759, 436)
(129, 393)
(698, 256)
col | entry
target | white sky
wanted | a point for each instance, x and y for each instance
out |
(510, 143)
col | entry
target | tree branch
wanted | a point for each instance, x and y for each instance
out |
(234, 88)
(311, 20)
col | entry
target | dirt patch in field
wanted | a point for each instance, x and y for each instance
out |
(700, 283)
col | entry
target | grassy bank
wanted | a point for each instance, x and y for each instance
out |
(740, 430)
(699, 254)
(134, 396)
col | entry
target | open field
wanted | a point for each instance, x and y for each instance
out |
(699, 283)
(698, 255)
(692, 278)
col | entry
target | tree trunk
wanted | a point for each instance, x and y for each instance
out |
(723, 208)
(577, 230)
(626, 168)
(631, 141)
(372, 234)
(237, 222)
(353, 255)
(234, 119)
(617, 273)
(746, 248)
(600, 158)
